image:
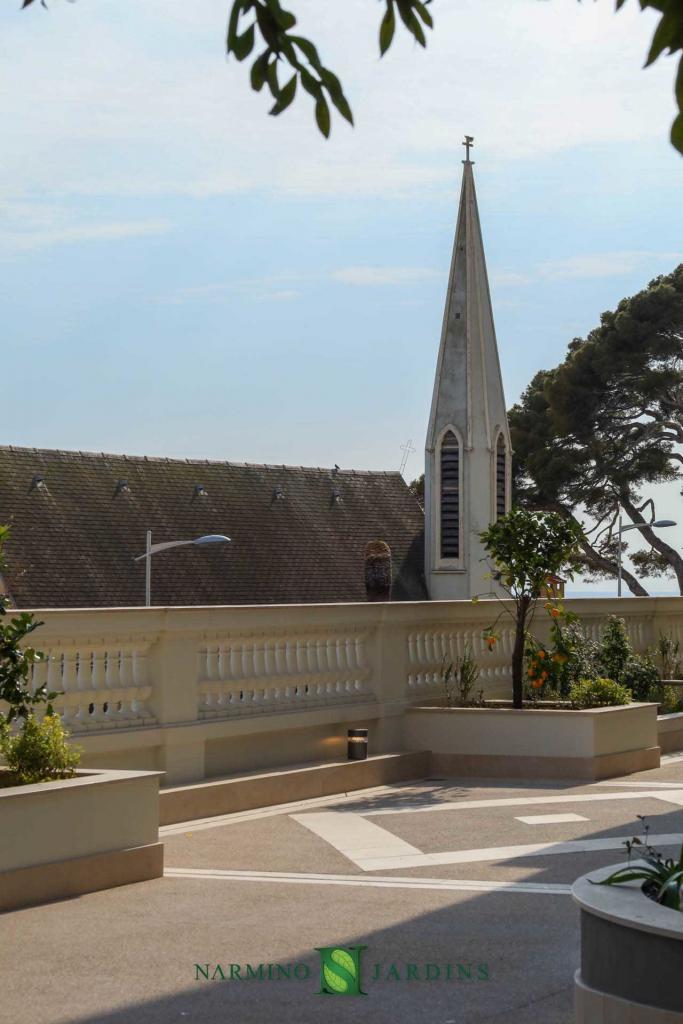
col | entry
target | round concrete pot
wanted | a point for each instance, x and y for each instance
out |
(631, 955)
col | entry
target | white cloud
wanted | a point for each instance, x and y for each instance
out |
(606, 264)
(372, 276)
(508, 279)
(25, 227)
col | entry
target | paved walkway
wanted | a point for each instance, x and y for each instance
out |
(459, 891)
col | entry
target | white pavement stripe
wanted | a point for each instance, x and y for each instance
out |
(235, 817)
(376, 882)
(527, 801)
(550, 819)
(643, 785)
(508, 853)
(355, 837)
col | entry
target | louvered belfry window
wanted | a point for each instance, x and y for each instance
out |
(450, 496)
(501, 459)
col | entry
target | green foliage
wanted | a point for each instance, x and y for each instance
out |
(568, 657)
(641, 677)
(39, 752)
(589, 434)
(662, 878)
(598, 693)
(667, 653)
(669, 699)
(459, 678)
(417, 488)
(17, 659)
(269, 21)
(527, 547)
(615, 648)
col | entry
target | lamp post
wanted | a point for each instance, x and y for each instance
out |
(153, 549)
(656, 523)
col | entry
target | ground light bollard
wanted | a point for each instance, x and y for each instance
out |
(357, 744)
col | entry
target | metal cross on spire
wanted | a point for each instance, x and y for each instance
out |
(407, 450)
(468, 142)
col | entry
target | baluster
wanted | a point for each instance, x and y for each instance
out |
(247, 660)
(235, 661)
(39, 674)
(259, 659)
(210, 659)
(111, 671)
(125, 669)
(310, 662)
(69, 677)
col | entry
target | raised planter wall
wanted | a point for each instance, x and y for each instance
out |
(670, 732)
(592, 744)
(65, 838)
(631, 955)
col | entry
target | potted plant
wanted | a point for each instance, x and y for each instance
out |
(631, 939)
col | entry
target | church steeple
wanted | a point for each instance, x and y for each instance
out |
(467, 456)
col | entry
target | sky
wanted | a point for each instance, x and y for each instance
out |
(182, 275)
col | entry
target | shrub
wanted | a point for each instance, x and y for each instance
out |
(615, 648)
(640, 675)
(668, 697)
(459, 678)
(598, 693)
(40, 751)
(668, 652)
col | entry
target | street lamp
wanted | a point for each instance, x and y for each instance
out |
(656, 523)
(153, 549)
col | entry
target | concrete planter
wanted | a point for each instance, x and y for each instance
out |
(670, 732)
(631, 955)
(65, 838)
(550, 743)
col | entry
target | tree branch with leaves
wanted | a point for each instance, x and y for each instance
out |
(266, 22)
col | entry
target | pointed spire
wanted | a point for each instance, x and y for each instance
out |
(468, 404)
(468, 362)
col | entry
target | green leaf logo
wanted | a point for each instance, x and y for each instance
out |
(340, 971)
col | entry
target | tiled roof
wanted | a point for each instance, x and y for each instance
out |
(78, 520)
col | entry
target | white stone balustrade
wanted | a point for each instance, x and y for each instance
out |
(251, 675)
(204, 691)
(99, 686)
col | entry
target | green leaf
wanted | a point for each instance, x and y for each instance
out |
(387, 29)
(287, 95)
(410, 21)
(271, 76)
(310, 84)
(258, 71)
(334, 87)
(309, 51)
(244, 44)
(238, 9)
(285, 19)
(342, 105)
(664, 36)
(423, 13)
(322, 116)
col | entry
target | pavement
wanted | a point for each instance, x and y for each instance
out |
(457, 889)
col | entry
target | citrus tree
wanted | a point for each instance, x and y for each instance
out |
(524, 549)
